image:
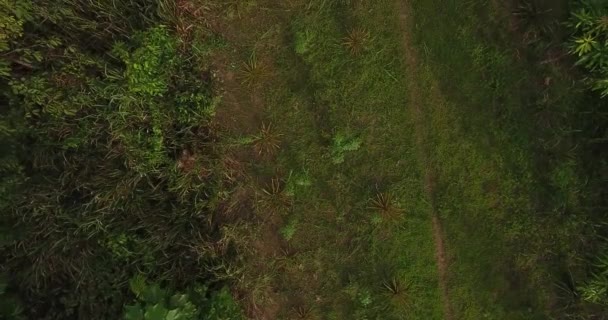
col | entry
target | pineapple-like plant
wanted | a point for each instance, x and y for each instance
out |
(356, 41)
(253, 72)
(273, 198)
(385, 205)
(267, 142)
(396, 291)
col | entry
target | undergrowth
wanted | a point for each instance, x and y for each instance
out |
(110, 165)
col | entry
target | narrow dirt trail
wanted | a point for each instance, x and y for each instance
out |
(422, 143)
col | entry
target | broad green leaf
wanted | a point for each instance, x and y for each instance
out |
(138, 285)
(156, 312)
(173, 315)
(178, 300)
(134, 313)
(153, 294)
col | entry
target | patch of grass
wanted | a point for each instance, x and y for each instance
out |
(510, 191)
(343, 126)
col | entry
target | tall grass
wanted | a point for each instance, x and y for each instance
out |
(115, 167)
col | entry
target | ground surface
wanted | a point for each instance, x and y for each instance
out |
(423, 110)
(422, 143)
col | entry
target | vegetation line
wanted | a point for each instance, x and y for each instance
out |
(415, 102)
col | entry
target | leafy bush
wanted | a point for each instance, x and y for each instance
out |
(589, 42)
(154, 303)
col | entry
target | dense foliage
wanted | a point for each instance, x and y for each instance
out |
(155, 303)
(109, 162)
(589, 25)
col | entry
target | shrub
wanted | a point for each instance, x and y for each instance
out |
(155, 303)
(589, 43)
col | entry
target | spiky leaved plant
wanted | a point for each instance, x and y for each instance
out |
(273, 199)
(535, 20)
(589, 43)
(253, 72)
(303, 312)
(267, 142)
(356, 40)
(393, 286)
(385, 205)
(396, 291)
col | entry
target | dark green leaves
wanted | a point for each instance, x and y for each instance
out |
(155, 303)
(134, 312)
(589, 43)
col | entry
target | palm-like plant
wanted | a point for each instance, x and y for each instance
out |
(253, 72)
(303, 312)
(384, 204)
(584, 44)
(273, 198)
(534, 18)
(356, 40)
(267, 142)
(396, 291)
(393, 286)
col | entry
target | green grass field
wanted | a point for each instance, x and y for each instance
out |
(345, 159)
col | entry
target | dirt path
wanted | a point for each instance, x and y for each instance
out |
(421, 135)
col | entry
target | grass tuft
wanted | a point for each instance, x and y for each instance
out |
(267, 142)
(253, 72)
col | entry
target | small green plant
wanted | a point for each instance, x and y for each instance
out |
(341, 145)
(290, 229)
(119, 246)
(356, 40)
(267, 142)
(303, 42)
